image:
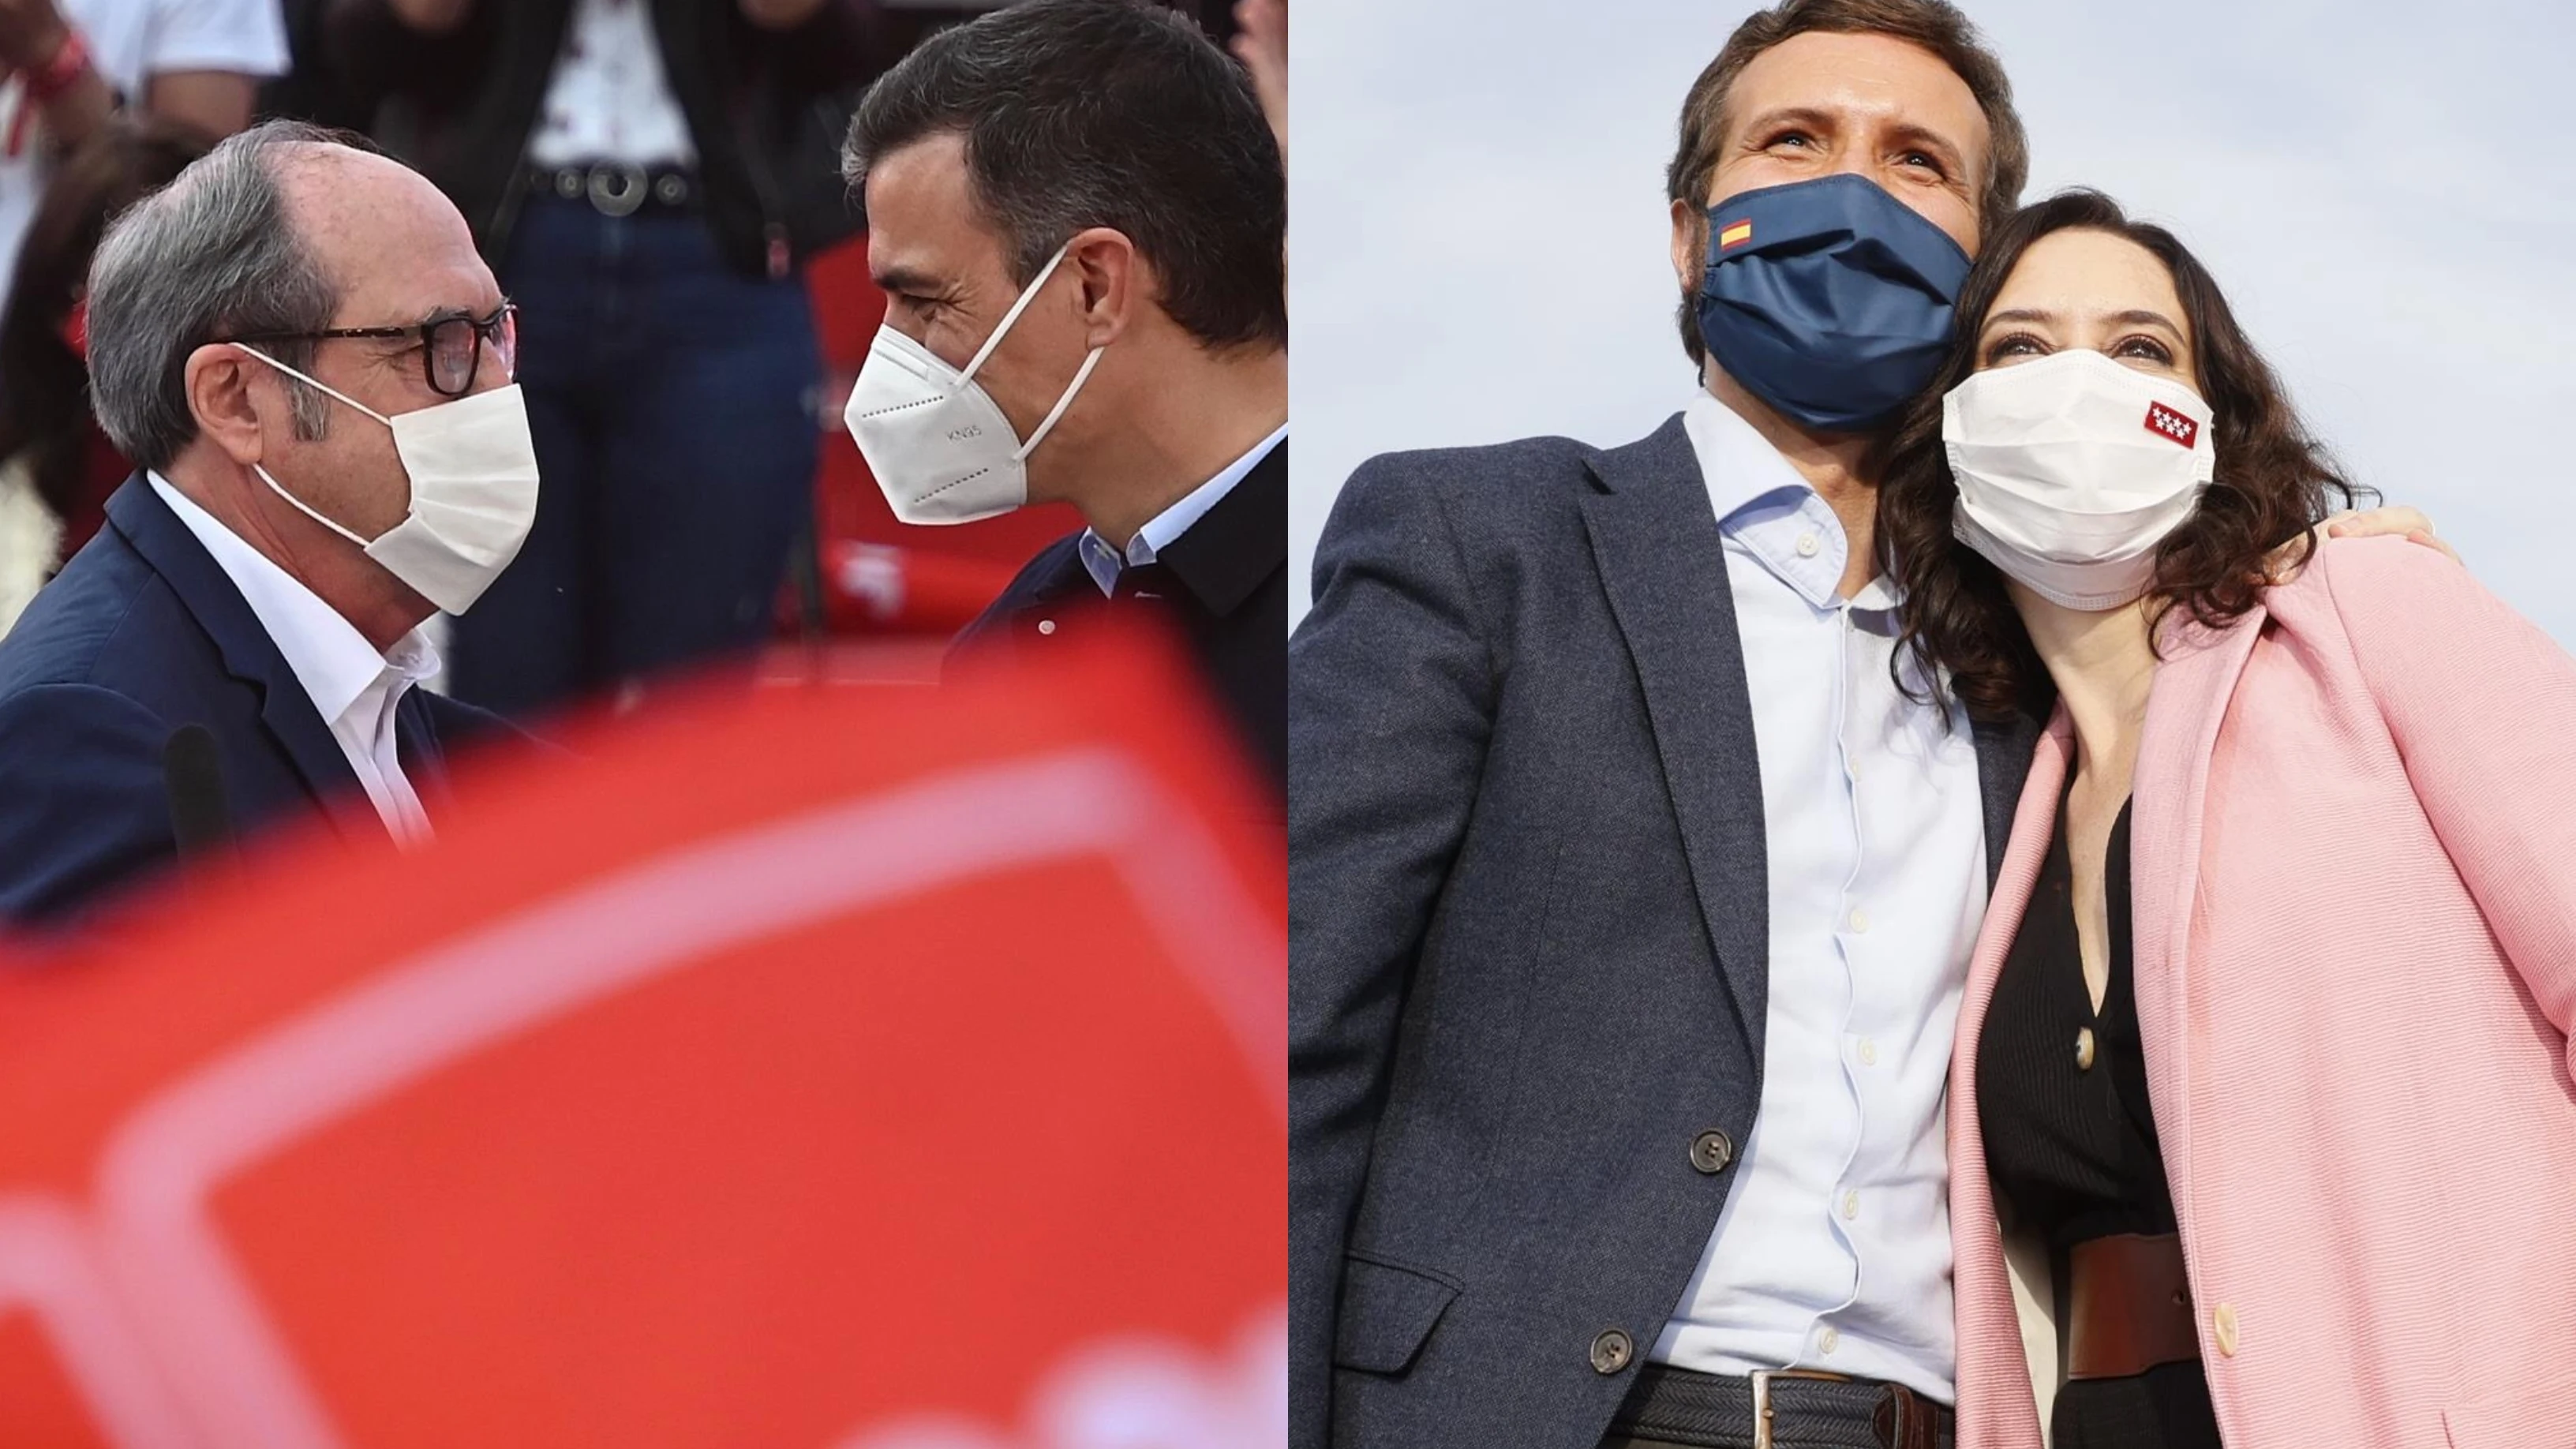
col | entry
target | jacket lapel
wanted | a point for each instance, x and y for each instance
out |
(422, 754)
(1228, 554)
(1655, 541)
(1995, 1399)
(248, 653)
(2003, 764)
(2169, 790)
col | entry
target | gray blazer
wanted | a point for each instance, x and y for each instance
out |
(1527, 939)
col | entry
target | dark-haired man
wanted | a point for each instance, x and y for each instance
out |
(1630, 894)
(1078, 215)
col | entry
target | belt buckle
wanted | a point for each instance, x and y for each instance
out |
(627, 193)
(1762, 1396)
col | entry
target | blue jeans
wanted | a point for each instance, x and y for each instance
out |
(672, 402)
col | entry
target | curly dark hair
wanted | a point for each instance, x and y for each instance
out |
(2274, 482)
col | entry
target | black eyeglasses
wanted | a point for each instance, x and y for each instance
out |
(451, 348)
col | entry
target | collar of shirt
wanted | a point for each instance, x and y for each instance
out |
(1764, 506)
(330, 658)
(1104, 562)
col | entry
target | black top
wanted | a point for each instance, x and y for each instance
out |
(2072, 1148)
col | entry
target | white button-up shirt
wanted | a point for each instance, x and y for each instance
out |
(1833, 1250)
(609, 98)
(354, 688)
(1104, 562)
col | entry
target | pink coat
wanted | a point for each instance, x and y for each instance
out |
(2353, 867)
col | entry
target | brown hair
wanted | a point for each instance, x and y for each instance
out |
(2274, 481)
(1935, 25)
(42, 411)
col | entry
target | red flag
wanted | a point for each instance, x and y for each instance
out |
(844, 1069)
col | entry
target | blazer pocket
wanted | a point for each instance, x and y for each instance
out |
(2517, 1418)
(1387, 1314)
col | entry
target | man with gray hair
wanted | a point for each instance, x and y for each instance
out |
(298, 346)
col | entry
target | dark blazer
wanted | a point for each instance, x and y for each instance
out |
(1233, 564)
(1527, 937)
(141, 633)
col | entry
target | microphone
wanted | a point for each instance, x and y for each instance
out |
(200, 820)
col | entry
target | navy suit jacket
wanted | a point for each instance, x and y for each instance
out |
(1232, 566)
(141, 633)
(1528, 957)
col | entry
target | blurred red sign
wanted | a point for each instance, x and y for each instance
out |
(843, 1070)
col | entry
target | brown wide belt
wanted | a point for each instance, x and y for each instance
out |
(2130, 1306)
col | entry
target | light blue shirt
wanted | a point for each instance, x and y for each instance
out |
(1104, 562)
(1833, 1250)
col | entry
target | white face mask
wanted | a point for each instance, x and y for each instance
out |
(2072, 468)
(473, 470)
(937, 442)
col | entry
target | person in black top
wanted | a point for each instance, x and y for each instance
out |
(2100, 482)
(2070, 1142)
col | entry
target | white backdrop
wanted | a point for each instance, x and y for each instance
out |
(1478, 228)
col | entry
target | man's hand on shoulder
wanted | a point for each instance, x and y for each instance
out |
(2392, 521)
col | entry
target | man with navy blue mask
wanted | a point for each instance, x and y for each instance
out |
(1630, 895)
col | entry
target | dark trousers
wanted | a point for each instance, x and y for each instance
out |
(672, 400)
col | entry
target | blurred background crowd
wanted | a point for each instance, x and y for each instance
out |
(656, 185)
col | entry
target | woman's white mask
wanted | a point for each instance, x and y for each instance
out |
(2072, 468)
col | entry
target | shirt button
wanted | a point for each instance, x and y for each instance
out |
(1807, 545)
(1851, 1206)
(2222, 1326)
(1046, 626)
(1829, 1340)
(1868, 1052)
(1711, 1151)
(2084, 1049)
(1859, 922)
(1611, 1351)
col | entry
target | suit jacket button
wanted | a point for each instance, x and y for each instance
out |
(1710, 1152)
(1611, 1351)
(1046, 626)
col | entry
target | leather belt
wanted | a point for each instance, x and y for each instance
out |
(618, 188)
(2129, 1306)
(1779, 1409)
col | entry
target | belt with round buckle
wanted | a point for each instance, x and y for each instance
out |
(616, 188)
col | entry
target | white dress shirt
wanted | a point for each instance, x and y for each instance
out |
(1833, 1250)
(1104, 562)
(609, 98)
(354, 688)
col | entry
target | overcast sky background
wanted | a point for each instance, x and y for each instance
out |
(2387, 193)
